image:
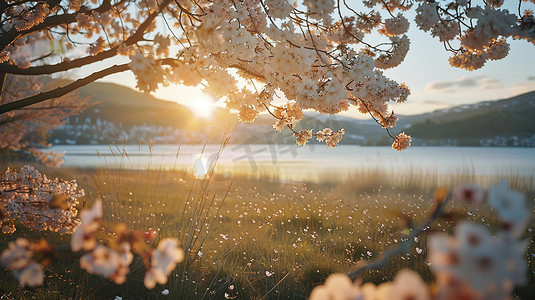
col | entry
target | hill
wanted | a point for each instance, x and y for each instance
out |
(120, 104)
(120, 113)
(506, 122)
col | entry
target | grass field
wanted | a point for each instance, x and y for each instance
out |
(256, 237)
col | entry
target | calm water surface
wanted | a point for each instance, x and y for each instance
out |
(298, 162)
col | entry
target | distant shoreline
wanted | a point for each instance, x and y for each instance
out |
(287, 144)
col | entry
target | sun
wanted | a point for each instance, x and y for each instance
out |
(202, 106)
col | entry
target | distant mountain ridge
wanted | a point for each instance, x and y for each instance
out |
(120, 113)
(500, 123)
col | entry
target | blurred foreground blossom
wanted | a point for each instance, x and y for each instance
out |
(113, 262)
(407, 285)
(473, 264)
(18, 255)
(84, 236)
(32, 275)
(108, 263)
(163, 262)
(482, 264)
(18, 258)
(337, 287)
(511, 208)
(470, 193)
(478, 263)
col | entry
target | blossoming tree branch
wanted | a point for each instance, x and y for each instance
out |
(39, 203)
(321, 55)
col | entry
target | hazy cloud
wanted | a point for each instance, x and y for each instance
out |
(479, 81)
(465, 81)
(438, 85)
(531, 78)
(434, 102)
(489, 83)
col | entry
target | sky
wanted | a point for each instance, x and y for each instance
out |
(433, 82)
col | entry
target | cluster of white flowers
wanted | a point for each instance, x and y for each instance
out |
(362, 66)
(469, 193)
(406, 285)
(401, 142)
(163, 43)
(18, 258)
(163, 261)
(426, 15)
(469, 60)
(332, 93)
(147, 70)
(511, 208)
(84, 20)
(476, 262)
(330, 137)
(280, 9)
(481, 30)
(108, 263)
(27, 16)
(38, 202)
(302, 137)
(19, 127)
(390, 4)
(245, 101)
(84, 236)
(489, 267)
(221, 83)
(320, 9)
(301, 61)
(395, 26)
(97, 47)
(376, 91)
(388, 121)
(113, 262)
(288, 115)
(491, 23)
(498, 50)
(472, 264)
(247, 114)
(336, 286)
(445, 31)
(49, 158)
(288, 61)
(394, 58)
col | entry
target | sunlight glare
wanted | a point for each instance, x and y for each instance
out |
(202, 106)
(200, 167)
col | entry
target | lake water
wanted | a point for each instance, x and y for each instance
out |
(294, 162)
